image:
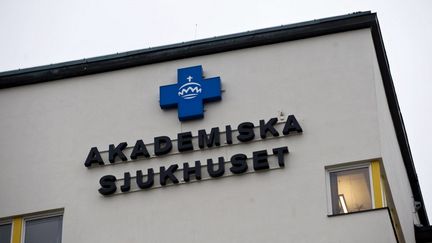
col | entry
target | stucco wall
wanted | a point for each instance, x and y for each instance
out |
(328, 83)
(393, 163)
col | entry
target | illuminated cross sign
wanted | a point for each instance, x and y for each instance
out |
(190, 93)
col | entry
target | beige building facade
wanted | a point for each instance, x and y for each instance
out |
(305, 144)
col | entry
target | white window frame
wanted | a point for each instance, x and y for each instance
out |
(39, 216)
(346, 167)
(5, 222)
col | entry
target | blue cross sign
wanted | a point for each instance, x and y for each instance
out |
(190, 93)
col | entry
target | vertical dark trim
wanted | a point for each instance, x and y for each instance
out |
(393, 225)
(397, 119)
(423, 234)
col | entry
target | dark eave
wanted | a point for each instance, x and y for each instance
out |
(184, 50)
(249, 39)
(423, 234)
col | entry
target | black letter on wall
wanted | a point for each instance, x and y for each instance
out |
(126, 183)
(93, 157)
(187, 171)
(239, 164)
(117, 151)
(150, 179)
(228, 133)
(162, 145)
(221, 167)
(108, 185)
(291, 125)
(268, 127)
(168, 174)
(246, 131)
(260, 161)
(280, 152)
(184, 141)
(139, 150)
(214, 138)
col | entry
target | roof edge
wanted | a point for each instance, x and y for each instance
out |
(398, 122)
(201, 47)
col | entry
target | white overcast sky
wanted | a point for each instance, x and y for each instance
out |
(39, 32)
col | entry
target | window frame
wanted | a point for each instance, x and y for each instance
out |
(18, 222)
(373, 174)
(37, 216)
(6, 222)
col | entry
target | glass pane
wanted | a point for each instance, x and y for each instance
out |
(350, 190)
(46, 230)
(5, 233)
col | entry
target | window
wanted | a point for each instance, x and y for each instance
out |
(354, 188)
(46, 230)
(5, 233)
(35, 228)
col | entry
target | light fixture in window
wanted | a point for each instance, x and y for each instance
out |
(343, 203)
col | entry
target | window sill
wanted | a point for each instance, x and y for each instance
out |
(363, 211)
